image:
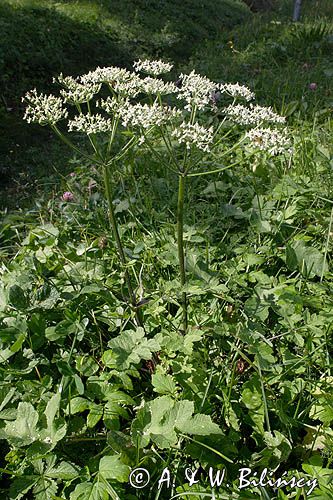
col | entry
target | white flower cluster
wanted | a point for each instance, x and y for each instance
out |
(252, 115)
(193, 135)
(76, 92)
(112, 104)
(196, 90)
(156, 67)
(121, 80)
(151, 85)
(145, 115)
(108, 74)
(236, 90)
(43, 109)
(271, 140)
(90, 124)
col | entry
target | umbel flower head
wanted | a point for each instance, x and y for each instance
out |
(75, 92)
(90, 124)
(195, 90)
(43, 109)
(140, 115)
(236, 90)
(273, 141)
(156, 67)
(193, 135)
(252, 115)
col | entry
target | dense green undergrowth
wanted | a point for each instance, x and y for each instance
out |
(86, 397)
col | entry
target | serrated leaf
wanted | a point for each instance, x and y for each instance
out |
(64, 471)
(20, 486)
(164, 384)
(45, 489)
(90, 491)
(131, 347)
(111, 467)
(200, 425)
(22, 431)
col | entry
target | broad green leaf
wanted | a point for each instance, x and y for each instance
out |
(90, 491)
(200, 425)
(308, 260)
(252, 399)
(45, 489)
(22, 431)
(64, 471)
(17, 298)
(131, 347)
(111, 467)
(20, 486)
(164, 384)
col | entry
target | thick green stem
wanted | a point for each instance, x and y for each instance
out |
(180, 242)
(121, 253)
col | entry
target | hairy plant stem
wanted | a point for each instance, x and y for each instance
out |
(180, 243)
(119, 245)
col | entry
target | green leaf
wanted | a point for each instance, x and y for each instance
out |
(111, 467)
(164, 384)
(17, 298)
(90, 491)
(200, 425)
(45, 489)
(252, 399)
(22, 431)
(56, 428)
(64, 471)
(130, 348)
(308, 260)
(20, 486)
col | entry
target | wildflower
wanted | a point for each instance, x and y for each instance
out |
(157, 86)
(193, 135)
(195, 90)
(271, 140)
(313, 86)
(252, 115)
(43, 109)
(155, 68)
(121, 80)
(236, 90)
(90, 124)
(145, 115)
(106, 75)
(67, 196)
(76, 92)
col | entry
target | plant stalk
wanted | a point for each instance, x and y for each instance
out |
(121, 253)
(180, 243)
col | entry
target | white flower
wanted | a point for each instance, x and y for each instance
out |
(156, 67)
(121, 80)
(196, 90)
(145, 115)
(76, 92)
(112, 104)
(157, 86)
(90, 124)
(236, 90)
(43, 109)
(271, 140)
(193, 135)
(106, 75)
(252, 115)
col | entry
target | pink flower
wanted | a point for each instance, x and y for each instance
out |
(67, 196)
(72, 174)
(313, 86)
